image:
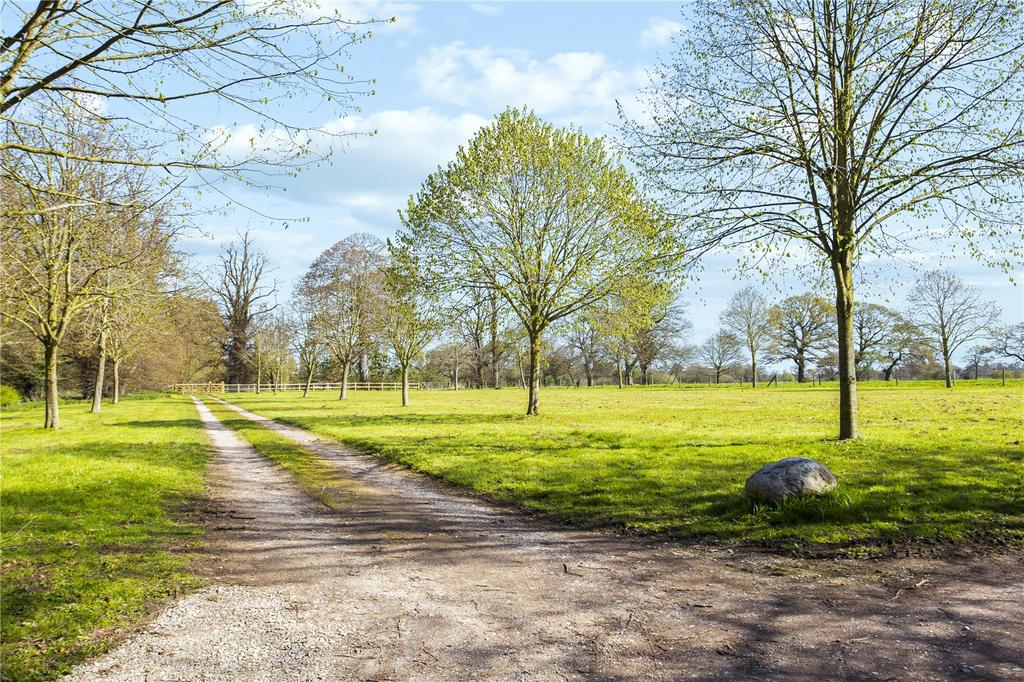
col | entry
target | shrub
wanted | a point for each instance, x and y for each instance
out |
(9, 395)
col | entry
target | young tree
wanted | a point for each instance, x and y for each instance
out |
(719, 352)
(748, 318)
(544, 217)
(411, 317)
(804, 330)
(345, 285)
(873, 328)
(976, 356)
(307, 335)
(585, 339)
(951, 313)
(839, 127)
(240, 286)
(658, 338)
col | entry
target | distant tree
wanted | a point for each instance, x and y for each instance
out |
(720, 352)
(1008, 342)
(411, 316)
(307, 337)
(804, 330)
(585, 339)
(748, 318)
(239, 283)
(658, 337)
(951, 313)
(873, 328)
(904, 343)
(835, 127)
(345, 284)
(976, 356)
(544, 217)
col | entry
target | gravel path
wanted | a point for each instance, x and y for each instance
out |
(412, 580)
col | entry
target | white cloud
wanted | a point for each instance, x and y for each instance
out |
(659, 32)
(581, 85)
(489, 8)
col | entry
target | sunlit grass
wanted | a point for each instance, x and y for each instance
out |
(931, 463)
(97, 525)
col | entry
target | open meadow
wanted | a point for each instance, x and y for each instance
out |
(932, 463)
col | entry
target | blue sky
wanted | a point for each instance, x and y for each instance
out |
(442, 70)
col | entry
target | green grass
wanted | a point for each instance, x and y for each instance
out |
(932, 463)
(318, 478)
(98, 525)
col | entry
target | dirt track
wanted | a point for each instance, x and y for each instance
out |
(414, 581)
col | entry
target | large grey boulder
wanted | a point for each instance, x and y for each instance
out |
(788, 477)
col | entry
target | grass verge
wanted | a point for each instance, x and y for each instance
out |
(934, 465)
(99, 522)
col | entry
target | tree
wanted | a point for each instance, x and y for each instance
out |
(804, 328)
(240, 286)
(748, 318)
(307, 335)
(839, 127)
(873, 327)
(951, 313)
(720, 351)
(544, 217)
(345, 286)
(585, 339)
(62, 256)
(658, 338)
(411, 318)
(976, 357)
(156, 63)
(1008, 341)
(903, 344)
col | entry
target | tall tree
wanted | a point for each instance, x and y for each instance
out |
(873, 328)
(241, 287)
(345, 284)
(748, 318)
(544, 217)
(840, 127)
(951, 313)
(804, 330)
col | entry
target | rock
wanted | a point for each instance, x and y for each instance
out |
(788, 477)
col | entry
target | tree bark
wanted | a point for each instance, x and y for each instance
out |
(97, 391)
(116, 398)
(533, 398)
(753, 368)
(801, 374)
(51, 419)
(842, 269)
(589, 371)
(344, 380)
(494, 343)
(309, 381)
(405, 385)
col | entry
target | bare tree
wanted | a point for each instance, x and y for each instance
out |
(239, 284)
(976, 356)
(345, 285)
(951, 313)
(720, 352)
(903, 344)
(659, 337)
(1008, 341)
(585, 339)
(544, 217)
(748, 318)
(804, 330)
(837, 126)
(873, 328)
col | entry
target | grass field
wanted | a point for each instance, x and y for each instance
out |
(933, 463)
(96, 524)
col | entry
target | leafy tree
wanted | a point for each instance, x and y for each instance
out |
(804, 330)
(951, 313)
(748, 318)
(838, 127)
(544, 217)
(411, 316)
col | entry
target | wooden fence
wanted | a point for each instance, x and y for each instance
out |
(220, 387)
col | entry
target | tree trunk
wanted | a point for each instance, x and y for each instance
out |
(51, 419)
(344, 380)
(948, 369)
(589, 371)
(801, 375)
(533, 398)
(494, 343)
(116, 398)
(405, 385)
(753, 369)
(97, 391)
(309, 381)
(259, 370)
(618, 372)
(842, 269)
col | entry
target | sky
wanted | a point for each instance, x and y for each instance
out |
(441, 71)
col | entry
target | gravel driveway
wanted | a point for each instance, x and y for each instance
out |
(412, 580)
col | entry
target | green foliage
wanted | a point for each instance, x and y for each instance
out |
(9, 396)
(932, 463)
(98, 526)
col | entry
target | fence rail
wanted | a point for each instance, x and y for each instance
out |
(220, 387)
